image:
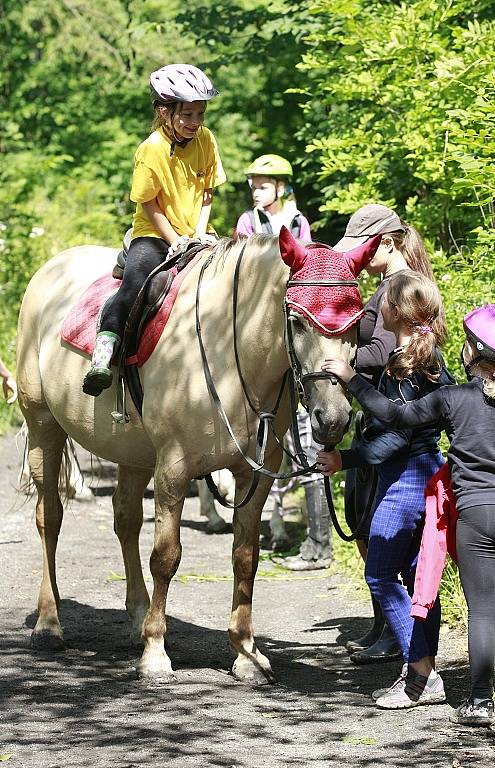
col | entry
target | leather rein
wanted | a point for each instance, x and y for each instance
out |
(294, 378)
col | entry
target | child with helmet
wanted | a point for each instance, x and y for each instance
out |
(467, 413)
(269, 178)
(175, 171)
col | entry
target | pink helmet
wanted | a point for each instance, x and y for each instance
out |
(181, 82)
(479, 326)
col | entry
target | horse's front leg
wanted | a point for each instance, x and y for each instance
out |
(170, 490)
(128, 519)
(251, 665)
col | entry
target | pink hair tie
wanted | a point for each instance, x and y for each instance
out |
(424, 329)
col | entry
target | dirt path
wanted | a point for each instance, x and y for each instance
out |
(85, 708)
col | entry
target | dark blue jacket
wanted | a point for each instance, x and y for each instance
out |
(380, 443)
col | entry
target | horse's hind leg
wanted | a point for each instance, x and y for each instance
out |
(46, 445)
(128, 519)
(251, 665)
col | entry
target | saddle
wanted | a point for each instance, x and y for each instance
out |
(118, 270)
(149, 300)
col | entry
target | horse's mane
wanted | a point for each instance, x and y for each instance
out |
(227, 244)
(230, 247)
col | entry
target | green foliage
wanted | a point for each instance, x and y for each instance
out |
(454, 608)
(399, 109)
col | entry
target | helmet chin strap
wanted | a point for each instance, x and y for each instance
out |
(277, 196)
(468, 367)
(172, 133)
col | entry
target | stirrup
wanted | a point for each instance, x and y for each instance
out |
(96, 380)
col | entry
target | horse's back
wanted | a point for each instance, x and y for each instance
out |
(50, 373)
(63, 279)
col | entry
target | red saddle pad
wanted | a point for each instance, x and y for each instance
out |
(79, 327)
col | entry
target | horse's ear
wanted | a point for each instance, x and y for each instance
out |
(360, 257)
(292, 253)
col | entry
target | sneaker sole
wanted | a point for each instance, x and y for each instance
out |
(475, 722)
(431, 698)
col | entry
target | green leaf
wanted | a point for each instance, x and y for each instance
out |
(113, 576)
(360, 740)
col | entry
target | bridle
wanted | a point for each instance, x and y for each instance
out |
(293, 378)
(290, 317)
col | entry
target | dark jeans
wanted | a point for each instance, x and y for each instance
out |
(476, 556)
(394, 542)
(145, 253)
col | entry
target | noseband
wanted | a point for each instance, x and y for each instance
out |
(300, 377)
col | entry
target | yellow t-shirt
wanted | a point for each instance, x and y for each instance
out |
(178, 182)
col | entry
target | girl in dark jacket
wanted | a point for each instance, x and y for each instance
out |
(406, 460)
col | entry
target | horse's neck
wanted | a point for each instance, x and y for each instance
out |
(260, 321)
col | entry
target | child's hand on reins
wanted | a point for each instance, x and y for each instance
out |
(339, 368)
(328, 462)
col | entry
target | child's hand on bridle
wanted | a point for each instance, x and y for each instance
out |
(339, 368)
(328, 462)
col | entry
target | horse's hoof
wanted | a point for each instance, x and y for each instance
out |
(46, 641)
(155, 679)
(155, 669)
(218, 526)
(253, 674)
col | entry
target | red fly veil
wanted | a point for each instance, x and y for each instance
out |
(330, 309)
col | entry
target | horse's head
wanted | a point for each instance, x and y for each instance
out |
(323, 306)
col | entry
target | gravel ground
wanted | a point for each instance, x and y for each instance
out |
(84, 707)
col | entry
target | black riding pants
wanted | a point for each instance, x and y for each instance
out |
(476, 556)
(145, 253)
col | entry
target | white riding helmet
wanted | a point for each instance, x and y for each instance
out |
(180, 82)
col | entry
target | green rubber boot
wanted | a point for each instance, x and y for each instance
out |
(99, 376)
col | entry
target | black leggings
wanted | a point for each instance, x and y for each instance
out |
(476, 556)
(145, 253)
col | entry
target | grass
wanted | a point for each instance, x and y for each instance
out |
(346, 560)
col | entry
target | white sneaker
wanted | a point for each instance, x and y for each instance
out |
(399, 682)
(431, 693)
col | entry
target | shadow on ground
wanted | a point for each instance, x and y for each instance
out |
(88, 697)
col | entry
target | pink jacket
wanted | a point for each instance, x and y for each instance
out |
(438, 539)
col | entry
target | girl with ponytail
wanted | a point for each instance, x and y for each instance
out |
(406, 459)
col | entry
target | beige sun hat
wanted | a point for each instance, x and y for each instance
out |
(368, 221)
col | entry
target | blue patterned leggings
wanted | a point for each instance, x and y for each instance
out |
(393, 547)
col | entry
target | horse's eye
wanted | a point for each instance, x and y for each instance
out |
(296, 323)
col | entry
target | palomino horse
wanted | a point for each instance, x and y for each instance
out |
(180, 435)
